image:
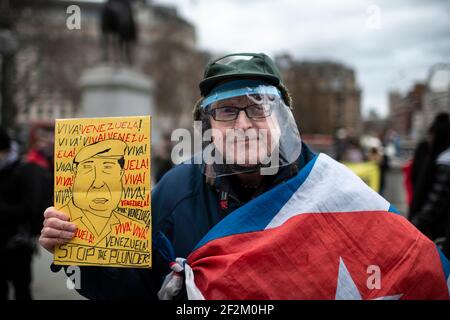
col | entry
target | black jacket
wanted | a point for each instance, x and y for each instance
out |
(433, 219)
(24, 194)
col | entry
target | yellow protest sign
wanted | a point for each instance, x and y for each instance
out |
(368, 171)
(102, 182)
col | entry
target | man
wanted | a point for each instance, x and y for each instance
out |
(253, 217)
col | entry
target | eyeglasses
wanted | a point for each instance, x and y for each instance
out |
(231, 113)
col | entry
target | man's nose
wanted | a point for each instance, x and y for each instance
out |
(98, 181)
(242, 121)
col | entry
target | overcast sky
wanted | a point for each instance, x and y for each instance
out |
(390, 44)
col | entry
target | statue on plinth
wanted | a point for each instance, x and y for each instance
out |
(119, 32)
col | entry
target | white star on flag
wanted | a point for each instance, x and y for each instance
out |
(346, 287)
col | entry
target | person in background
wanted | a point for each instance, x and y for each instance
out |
(18, 194)
(417, 175)
(353, 152)
(39, 160)
(407, 181)
(41, 147)
(161, 160)
(432, 194)
(381, 159)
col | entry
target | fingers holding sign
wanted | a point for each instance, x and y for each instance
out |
(57, 229)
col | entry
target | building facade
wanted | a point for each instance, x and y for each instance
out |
(402, 110)
(411, 114)
(325, 94)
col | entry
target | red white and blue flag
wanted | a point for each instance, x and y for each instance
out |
(323, 234)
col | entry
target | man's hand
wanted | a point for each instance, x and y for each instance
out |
(57, 229)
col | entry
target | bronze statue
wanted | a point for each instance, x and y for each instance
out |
(119, 33)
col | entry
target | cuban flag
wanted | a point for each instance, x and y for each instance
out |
(323, 234)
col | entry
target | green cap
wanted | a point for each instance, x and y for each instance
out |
(258, 66)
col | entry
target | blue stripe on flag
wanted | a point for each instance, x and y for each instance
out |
(393, 209)
(445, 263)
(266, 205)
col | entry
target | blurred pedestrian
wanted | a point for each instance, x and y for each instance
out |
(162, 158)
(382, 161)
(16, 242)
(353, 153)
(407, 181)
(340, 143)
(431, 202)
(40, 162)
(418, 175)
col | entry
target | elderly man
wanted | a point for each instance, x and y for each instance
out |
(263, 217)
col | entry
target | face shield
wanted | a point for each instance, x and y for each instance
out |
(246, 127)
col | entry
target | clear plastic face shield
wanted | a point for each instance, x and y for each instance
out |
(246, 127)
